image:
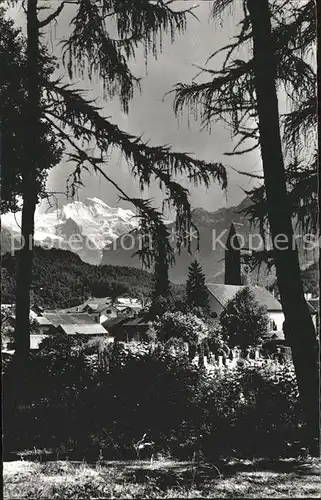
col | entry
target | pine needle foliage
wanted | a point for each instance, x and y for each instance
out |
(229, 96)
(104, 38)
(14, 119)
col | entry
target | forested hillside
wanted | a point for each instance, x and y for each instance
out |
(62, 279)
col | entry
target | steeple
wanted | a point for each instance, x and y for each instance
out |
(233, 258)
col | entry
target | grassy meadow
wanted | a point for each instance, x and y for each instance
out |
(162, 479)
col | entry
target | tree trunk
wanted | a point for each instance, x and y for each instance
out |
(300, 330)
(29, 193)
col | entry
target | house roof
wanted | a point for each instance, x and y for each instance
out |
(127, 300)
(123, 308)
(274, 335)
(109, 323)
(59, 318)
(84, 329)
(224, 293)
(128, 309)
(68, 310)
(36, 308)
(139, 321)
(98, 301)
(97, 308)
(131, 302)
(43, 321)
(72, 324)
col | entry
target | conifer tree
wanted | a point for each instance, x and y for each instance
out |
(197, 295)
(244, 93)
(13, 95)
(103, 40)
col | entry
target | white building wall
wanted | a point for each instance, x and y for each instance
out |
(278, 318)
(215, 306)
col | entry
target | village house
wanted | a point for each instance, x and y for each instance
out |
(80, 324)
(133, 303)
(114, 326)
(126, 312)
(99, 308)
(126, 329)
(45, 326)
(104, 308)
(220, 295)
(135, 329)
(35, 310)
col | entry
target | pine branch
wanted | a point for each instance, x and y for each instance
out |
(248, 174)
(69, 109)
(91, 49)
(52, 16)
(151, 221)
(243, 151)
(145, 160)
(230, 95)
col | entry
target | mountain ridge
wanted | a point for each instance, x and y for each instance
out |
(83, 227)
(109, 236)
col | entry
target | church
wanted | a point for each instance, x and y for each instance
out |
(235, 280)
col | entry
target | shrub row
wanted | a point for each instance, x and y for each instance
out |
(98, 400)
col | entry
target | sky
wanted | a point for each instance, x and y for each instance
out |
(151, 114)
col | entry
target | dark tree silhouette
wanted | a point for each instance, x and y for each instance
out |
(300, 329)
(244, 321)
(246, 90)
(197, 295)
(82, 128)
(13, 94)
(29, 178)
(233, 259)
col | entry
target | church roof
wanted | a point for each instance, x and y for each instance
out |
(224, 293)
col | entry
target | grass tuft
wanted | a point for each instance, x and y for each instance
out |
(161, 479)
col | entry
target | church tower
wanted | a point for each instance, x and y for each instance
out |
(233, 259)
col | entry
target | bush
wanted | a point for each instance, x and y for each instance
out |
(244, 321)
(171, 303)
(187, 327)
(250, 411)
(86, 409)
(214, 341)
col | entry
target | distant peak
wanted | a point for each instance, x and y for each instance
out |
(95, 201)
(199, 210)
(245, 203)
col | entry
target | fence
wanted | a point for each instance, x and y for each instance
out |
(254, 357)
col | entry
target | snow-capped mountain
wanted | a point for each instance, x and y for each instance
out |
(84, 227)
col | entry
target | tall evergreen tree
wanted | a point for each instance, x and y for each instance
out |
(29, 146)
(244, 92)
(197, 295)
(93, 48)
(13, 95)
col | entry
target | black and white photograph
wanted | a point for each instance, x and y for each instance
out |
(160, 311)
